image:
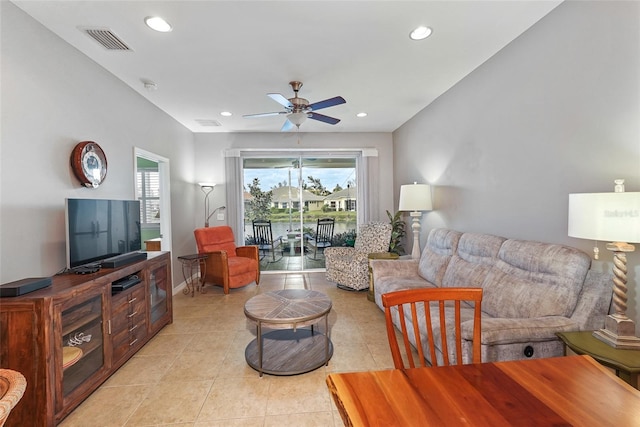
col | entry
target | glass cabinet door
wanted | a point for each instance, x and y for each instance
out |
(81, 341)
(158, 288)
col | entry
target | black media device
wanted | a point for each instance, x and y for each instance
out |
(99, 229)
(86, 269)
(120, 260)
(24, 286)
(124, 283)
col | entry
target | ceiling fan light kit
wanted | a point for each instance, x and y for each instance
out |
(298, 110)
(297, 118)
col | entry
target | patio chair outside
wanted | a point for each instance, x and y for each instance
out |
(263, 235)
(323, 237)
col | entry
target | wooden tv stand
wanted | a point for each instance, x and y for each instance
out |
(67, 339)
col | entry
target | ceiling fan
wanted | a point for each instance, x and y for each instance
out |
(299, 109)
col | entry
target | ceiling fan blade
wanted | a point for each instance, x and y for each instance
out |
(323, 118)
(287, 126)
(276, 113)
(280, 100)
(326, 103)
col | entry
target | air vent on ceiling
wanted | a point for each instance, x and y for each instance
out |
(208, 122)
(106, 38)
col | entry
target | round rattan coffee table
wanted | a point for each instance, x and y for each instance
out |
(293, 346)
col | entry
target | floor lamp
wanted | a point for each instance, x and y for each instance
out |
(206, 187)
(611, 217)
(415, 198)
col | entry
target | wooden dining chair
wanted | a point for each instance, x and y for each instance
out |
(426, 306)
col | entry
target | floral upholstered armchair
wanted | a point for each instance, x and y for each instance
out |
(349, 267)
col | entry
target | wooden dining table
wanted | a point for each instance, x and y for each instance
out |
(560, 391)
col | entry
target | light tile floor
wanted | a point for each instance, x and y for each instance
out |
(193, 373)
(291, 263)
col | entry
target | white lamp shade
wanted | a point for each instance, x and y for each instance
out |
(607, 217)
(415, 197)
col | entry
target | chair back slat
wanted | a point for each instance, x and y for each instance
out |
(429, 323)
(403, 303)
(418, 339)
(458, 333)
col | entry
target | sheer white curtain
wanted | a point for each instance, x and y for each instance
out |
(235, 194)
(368, 186)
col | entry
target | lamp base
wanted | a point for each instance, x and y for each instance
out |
(619, 332)
(415, 226)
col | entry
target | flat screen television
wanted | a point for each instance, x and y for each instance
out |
(98, 229)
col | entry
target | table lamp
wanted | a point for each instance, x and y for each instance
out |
(206, 187)
(615, 218)
(415, 198)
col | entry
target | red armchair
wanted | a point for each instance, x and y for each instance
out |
(227, 265)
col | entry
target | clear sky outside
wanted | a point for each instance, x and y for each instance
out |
(329, 177)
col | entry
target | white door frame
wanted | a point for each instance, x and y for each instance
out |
(165, 192)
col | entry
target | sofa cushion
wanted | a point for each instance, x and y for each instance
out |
(533, 279)
(475, 256)
(441, 245)
(392, 284)
(508, 331)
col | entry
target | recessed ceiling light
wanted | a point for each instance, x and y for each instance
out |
(158, 24)
(363, 114)
(226, 113)
(420, 33)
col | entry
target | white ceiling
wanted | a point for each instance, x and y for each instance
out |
(227, 55)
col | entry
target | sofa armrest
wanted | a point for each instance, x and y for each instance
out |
(594, 301)
(506, 331)
(397, 268)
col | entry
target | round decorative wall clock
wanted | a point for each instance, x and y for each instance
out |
(89, 163)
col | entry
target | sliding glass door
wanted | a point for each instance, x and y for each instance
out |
(294, 193)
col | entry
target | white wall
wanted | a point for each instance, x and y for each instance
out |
(52, 98)
(555, 112)
(210, 148)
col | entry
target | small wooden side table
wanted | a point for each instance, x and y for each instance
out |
(626, 363)
(192, 264)
(377, 255)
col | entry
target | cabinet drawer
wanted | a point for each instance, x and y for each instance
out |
(125, 308)
(134, 324)
(129, 340)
